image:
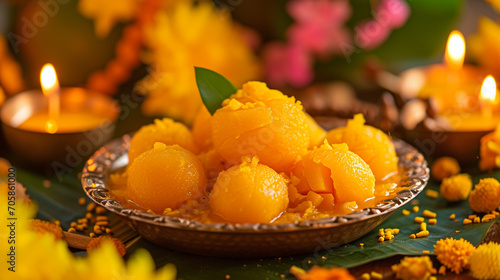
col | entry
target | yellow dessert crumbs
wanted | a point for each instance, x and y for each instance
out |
(428, 214)
(381, 239)
(456, 188)
(423, 226)
(477, 220)
(444, 167)
(81, 201)
(426, 252)
(414, 268)
(432, 193)
(432, 221)
(488, 217)
(432, 278)
(419, 220)
(423, 233)
(412, 236)
(228, 276)
(406, 212)
(467, 221)
(365, 276)
(361, 244)
(415, 208)
(484, 261)
(317, 272)
(453, 253)
(471, 217)
(486, 196)
(375, 275)
(453, 216)
(71, 230)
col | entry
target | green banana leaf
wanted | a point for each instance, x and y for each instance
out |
(59, 202)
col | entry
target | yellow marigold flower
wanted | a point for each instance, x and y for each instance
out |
(485, 45)
(495, 4)
(456, 188)
(184, 36)
(486, 196)
(107, 13)
(453, 253)
(321, 273)
(489, 151)
(39, 257)
(413, 268)
(485, 261)
(43, 227)
(444, 167)
(97, 243)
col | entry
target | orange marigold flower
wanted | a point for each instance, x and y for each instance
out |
(456, 188)
(444, 167)
(485, 261)
(43, 227)
(321, 273)
(486, 196)
(413, 268)
(453, 253)
(97, 242)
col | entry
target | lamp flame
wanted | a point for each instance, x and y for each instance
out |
(455, 50)
(48, 79)
(489, 89)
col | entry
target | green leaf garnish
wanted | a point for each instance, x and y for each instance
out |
(214, 88)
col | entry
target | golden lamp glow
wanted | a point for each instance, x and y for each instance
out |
(51, 126)
(489, 89)
(455, 50)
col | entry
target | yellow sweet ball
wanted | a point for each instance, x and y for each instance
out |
(165, 177)
(456, 188)
(166, 131)
(202, 129)
(444, 167)
(486, 196)
(371, 144)
(258, 121)
(316, 132)
(249, 193)
(336, 170)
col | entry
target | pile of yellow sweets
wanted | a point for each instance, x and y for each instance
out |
(258, 159)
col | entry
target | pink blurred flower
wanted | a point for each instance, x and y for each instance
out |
(320, 11)
(319, 25)
(370, 34)
(287, 64)
(396, 12)
(389, 14)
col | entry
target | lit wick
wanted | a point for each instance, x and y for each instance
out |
(488, 96)
(51, 89)
(455, 51)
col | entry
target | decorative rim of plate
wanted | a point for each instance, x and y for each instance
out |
(104, 160)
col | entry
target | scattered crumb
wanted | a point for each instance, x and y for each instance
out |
(81, 201)
(46, 183)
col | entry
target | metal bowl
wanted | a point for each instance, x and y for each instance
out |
(249, 240)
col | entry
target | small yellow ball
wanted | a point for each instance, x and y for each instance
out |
(456, 188)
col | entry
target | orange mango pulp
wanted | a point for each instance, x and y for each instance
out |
(371, 144)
